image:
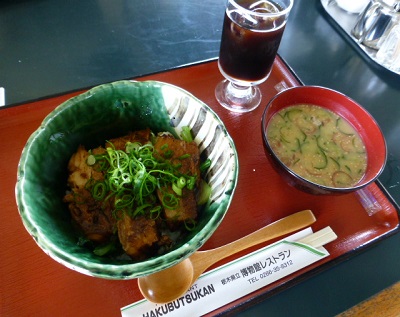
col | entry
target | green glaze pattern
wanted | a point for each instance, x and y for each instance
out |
(104, 112)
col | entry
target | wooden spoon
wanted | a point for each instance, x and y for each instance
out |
(170, 284)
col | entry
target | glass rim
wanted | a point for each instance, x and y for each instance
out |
(260, 14)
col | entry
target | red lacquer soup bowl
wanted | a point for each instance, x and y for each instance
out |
(366, 126)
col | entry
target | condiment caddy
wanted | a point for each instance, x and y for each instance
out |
(375, 30)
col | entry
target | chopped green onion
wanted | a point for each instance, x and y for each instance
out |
(184, 156)
(140, 209)
(123, 201)
(186, 134)
(190, 224)
(178, 166)
(99, 190)
(204, 193)
(177, 189)
(181, 182)
(104, 249)
(91, 160)
(191, 182)
(168, 154)
(205, 165)
(170, 201)
(155, 212)
(130, 147)
(89, 184)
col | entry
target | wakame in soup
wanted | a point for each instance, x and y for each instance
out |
(318, 145)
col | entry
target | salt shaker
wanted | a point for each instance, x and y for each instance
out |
(375, 22)
(389, 53)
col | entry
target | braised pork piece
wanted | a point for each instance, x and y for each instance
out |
(168, 147)
(93, 217)
(139, 188)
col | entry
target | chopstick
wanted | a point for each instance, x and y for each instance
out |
(319, 238)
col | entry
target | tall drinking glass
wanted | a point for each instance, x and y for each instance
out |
(251, 35)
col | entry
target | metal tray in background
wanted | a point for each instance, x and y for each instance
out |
(346, 21)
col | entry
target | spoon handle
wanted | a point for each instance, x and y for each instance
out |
(204, 259)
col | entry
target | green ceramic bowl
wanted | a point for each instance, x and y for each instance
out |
(107, 111)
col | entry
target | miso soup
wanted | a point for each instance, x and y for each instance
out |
(318, 145)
